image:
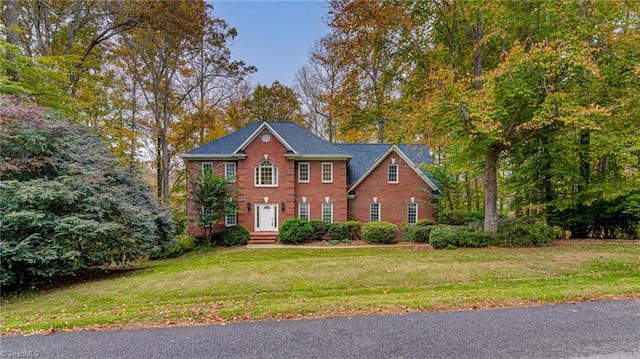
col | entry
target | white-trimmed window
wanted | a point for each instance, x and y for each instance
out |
(231, 219)
(266, 174)
(374, 212)
(327, 172)
(207, 167)
(327, 212)
(303, 171)
(393, 173)
(303, 210)
(230, 171)
(412, 213)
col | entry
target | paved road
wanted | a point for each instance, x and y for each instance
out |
(599, 330)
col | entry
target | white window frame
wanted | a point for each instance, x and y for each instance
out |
(396, 174)
(330, 172)
(409, 207)
(307, 208)
(230, 171)
(231, 219)
(258, 174)
(204, 165)
(308, 172)
(328, 206)
(371, 212)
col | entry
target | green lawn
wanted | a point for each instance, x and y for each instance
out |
(253, 284)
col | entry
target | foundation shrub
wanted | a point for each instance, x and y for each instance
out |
(379, 232)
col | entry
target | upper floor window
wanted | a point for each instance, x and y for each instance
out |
(207, 167)
(230, 171)
(303, 210)
(266, 174)
(412, 213)
(393, 173)
(374, 215)
(327, 172)
(303, 172)
(327, 212)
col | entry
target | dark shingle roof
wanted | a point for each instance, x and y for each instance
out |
(301, 141)
(365, 156)
(226, 145)
(304, 142)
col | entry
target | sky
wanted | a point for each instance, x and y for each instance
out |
(274, 36)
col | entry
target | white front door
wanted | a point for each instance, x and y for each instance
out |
(266, 217)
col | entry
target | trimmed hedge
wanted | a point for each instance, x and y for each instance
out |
(379, 232)
(456, 236)
(338, 232)
(425, 223)
(319, 229)
(235, 236)
(419, 233)
(295, 231)
(354, 229)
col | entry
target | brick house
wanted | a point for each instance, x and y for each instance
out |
(283, 171)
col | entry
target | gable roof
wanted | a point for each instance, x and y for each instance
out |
(300, 143)
(367, 156)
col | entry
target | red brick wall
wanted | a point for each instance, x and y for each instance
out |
(316, 191)
(393, 197)
(275, 152)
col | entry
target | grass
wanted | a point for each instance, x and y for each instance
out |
(255, 284)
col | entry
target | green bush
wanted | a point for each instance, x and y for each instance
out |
(66, 204)
(458, 217)
(184, 243)
(517, 232)
(338, 231)
(319, 228)
(425, 223)
(419, 233)
(295, 231)
(354, 229)
(235, 236)
(458, 236)
(379, 232)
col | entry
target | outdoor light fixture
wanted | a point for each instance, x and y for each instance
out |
(282, 206)
(248, 206)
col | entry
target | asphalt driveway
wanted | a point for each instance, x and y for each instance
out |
(607, 329)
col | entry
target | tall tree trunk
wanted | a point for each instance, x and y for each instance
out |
(491, 189)
(10, 18)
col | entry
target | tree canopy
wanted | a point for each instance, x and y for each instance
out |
(65, 202)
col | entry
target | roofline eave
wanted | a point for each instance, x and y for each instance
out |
(213, 156)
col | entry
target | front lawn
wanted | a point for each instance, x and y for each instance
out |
(255, 284)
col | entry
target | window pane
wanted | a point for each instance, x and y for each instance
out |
(327, 212)
(412, 213)
(393, 173)
(327, 172)
(207, 167)
(303, 211)
(230, 171)
(303, 172)
(231, 219)
(375, 212)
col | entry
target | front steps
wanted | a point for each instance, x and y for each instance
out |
(263, 238)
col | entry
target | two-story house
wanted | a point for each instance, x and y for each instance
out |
(283, 171)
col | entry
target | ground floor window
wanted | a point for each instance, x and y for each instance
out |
(303, 211)
(374, 215)
(231, 219)
(412, 213)
(327, 212)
